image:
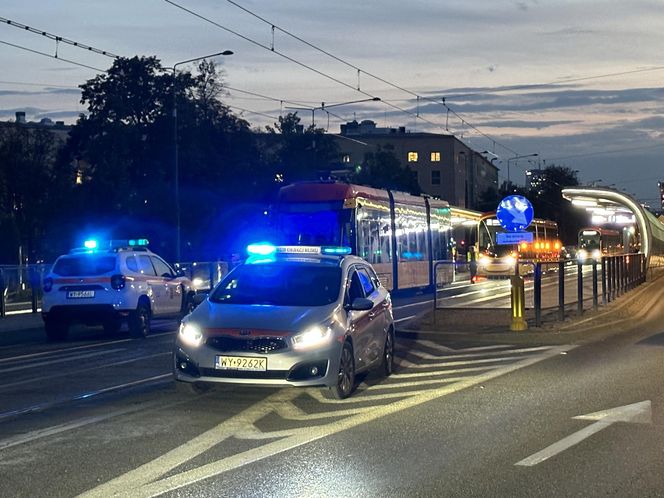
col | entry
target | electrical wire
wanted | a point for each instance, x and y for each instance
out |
(57, 38)
(295, 61)
(52, 56)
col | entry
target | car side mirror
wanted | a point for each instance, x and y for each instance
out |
(361, 304)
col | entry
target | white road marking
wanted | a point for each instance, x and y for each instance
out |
(57, 429)
(40, 364)
(438, 372)
(72, 372)
(149, 479)
(639, 413)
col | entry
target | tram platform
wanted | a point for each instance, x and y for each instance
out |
(493, 325)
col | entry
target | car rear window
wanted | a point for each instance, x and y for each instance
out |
(280, 284)
(84, 265)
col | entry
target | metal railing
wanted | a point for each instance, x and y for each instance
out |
(21, 287)
(609, 278)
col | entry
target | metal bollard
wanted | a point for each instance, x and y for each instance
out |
(537, 294)
(561, 291)
(595, 297)
(518, 298)
(604, 293)
(579, 288)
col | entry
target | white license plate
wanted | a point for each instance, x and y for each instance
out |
(241, 363)
(80, 294)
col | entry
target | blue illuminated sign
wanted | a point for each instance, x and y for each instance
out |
(515, 213)
(512, 238)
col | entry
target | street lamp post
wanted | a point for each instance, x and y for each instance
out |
(514, 159)
(176, 165)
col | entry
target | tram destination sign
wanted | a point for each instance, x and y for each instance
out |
(512, 238)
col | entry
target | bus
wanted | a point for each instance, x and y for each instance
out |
(496, 259)
(597, 242)
(401, 235)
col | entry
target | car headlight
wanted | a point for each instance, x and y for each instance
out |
(312, 337)
(510, 260)
(190, 334)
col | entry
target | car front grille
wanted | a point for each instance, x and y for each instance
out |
(255, 345)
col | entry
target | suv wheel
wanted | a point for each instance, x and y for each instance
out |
(56, 329)
(139, 321)
(187, 304)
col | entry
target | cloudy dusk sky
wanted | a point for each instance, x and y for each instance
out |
(578, 82)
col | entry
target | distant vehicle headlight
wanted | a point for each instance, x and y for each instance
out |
(597, 254)
(190, 334)
(312, 337)
(582, 255)
(484, 260)
(510, 260)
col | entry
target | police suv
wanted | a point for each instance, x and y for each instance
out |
(124, 281)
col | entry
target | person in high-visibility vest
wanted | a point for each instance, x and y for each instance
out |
(471, 256)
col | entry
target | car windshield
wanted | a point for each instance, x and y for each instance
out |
(85, 264)
(280, 284)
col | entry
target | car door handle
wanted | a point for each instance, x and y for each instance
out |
(372, 315)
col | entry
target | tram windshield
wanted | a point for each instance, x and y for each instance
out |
(313, 224)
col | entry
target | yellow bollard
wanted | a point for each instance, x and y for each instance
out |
(518, 295)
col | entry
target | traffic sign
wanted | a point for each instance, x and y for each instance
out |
(515, 213)
(511, 238)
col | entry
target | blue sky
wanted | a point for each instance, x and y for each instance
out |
(578, 82)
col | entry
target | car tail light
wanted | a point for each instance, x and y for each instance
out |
(48, 284)
(118, 282)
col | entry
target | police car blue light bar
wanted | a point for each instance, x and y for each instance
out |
(90, 244)
(261, 249)
(266, 249)
(334, 250)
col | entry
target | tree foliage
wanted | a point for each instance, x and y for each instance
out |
(382, 169)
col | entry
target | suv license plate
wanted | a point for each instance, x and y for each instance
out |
(80, 294)
(241, 363)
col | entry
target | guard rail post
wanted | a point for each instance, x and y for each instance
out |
(537, 294)
(595, 296)
(34, 287)
(579, 288)
(561, 290)
(604, 269)
(2, 295)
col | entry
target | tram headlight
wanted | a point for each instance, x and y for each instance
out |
(484, 261)
(596, 254)
(510, 260)
(582, 255)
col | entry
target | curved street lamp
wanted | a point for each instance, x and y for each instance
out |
(176, 165)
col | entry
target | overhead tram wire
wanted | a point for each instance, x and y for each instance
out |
(53, 56)
(56, 38)
(376, 77)
(295, 61)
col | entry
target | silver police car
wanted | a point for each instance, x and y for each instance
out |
(300, 316)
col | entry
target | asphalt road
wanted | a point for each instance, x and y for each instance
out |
(100, 416)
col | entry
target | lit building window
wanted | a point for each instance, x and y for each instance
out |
(435, 178)
(412, 157)
(435, 157)
(345, 158)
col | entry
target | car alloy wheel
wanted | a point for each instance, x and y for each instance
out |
(346, 375)
(388, 354)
